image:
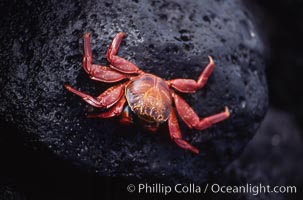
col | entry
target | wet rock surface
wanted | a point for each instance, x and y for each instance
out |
(41, 49)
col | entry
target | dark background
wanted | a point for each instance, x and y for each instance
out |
(273, 157)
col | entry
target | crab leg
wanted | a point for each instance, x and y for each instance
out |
(192, 120)
(98, 72)
(104, 100)
(175, 133)
(189, 85)
(115, 111)
(118, 63)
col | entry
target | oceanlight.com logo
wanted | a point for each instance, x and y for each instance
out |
(252, 189)
(160, 188)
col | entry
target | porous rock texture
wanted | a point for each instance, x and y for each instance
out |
(41, 50)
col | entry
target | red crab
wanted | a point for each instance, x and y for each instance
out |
(149, 97)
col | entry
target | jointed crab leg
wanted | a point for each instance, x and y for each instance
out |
(115, 111)
(175, 133)
(98, 72)
(105, 74)
(104, 100)
(118, 63)
(192, 120)
(189, 85)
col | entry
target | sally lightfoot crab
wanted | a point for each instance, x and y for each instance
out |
(150, 97)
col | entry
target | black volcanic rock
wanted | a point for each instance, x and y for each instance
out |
(41, 49)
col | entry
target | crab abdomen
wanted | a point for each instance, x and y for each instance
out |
(149, 97)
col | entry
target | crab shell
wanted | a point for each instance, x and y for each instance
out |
(149, 97)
